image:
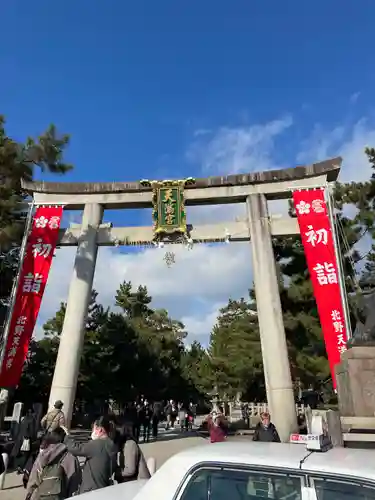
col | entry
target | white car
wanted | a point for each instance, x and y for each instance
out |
(252, 471)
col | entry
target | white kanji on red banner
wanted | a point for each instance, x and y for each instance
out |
(54, 222)
(336, 315)
(326, 273)
(311, 208)
(318, 206)
(32, 283)
(314, 237)
(342, 348)
(42, 222)
(41, 244)
(18, 331)
(340, 339)
(40, 248)
(16, 340)
(338, 326)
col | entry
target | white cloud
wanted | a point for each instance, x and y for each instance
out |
(356, 165)
(231, 151)
(239, 149)
(203, 279)
(200, 323)
(347, 141)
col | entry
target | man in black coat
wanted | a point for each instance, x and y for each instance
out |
(265, 431)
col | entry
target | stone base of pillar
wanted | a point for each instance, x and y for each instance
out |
(355, 377)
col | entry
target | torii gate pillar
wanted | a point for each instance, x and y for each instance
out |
(72, 337)
(280, 395)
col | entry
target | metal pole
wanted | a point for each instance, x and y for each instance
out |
(13, 294)
(340, 268)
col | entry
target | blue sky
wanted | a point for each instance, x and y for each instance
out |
(175, 89)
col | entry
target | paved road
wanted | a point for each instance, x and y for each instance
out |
(168, 443)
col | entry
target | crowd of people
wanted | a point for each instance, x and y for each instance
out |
(47, 455)
(146, 417)
(111, 454)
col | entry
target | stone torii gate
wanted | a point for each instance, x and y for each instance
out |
(254, 190)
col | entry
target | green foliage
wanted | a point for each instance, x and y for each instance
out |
(136, 351)
(196, 368)
(235, 353)
(18, 161)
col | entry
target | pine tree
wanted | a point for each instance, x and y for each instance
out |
(17, 162)
(134, 304)
(235, 352)
(365, 203)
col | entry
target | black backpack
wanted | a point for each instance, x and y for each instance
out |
(52, 481)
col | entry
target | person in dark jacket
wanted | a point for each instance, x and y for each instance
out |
(139, 421)
(311, 398)
(100, 454)
(156, 415)
(26, 437)
(53, 450)
(168, 414)
(302, 424)
(147, 418)
(131, 415)
(265, 431)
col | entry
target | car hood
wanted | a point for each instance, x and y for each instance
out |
(124, 490)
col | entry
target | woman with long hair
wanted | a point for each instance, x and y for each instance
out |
(131, 462)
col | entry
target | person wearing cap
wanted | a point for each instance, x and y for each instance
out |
(265, 431)
(54, 419)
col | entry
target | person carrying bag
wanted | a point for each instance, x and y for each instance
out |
(56, 473)
(54, 418)
(41, 436)
(25, 438)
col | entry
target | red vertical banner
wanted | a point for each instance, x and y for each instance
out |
(317, 238)
(36, 265)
